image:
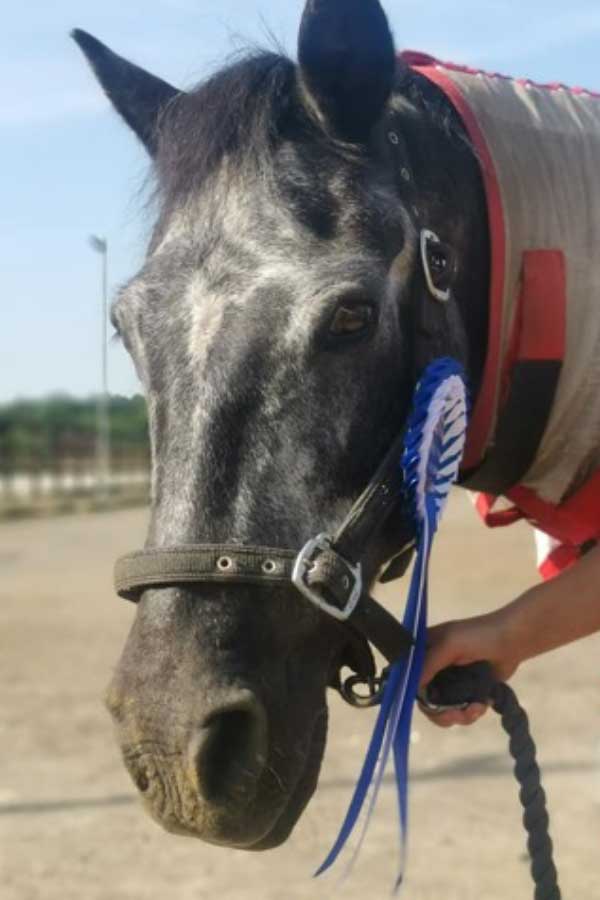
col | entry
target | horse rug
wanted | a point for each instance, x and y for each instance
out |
(539, 152)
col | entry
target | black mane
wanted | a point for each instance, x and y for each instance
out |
(237, 114)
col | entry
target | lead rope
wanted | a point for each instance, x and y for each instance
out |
(459, 685)
(531, 794)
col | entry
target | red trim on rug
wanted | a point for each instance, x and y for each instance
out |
(543, 305)
(417, 59)
(539, 329)
(558, 560)
(484, 504)
(481, 417)
(575, 521)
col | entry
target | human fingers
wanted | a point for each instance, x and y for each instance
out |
(442, 652)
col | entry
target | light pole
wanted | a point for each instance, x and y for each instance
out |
(100, 245)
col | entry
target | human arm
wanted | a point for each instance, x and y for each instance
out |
(545, 617)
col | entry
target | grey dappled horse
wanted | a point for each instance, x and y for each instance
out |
(277, 325)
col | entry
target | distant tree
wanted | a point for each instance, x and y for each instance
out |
(36, 432)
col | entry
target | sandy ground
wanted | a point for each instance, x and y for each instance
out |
(71, 826)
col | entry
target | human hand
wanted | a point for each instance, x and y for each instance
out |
(546, 616)
(463, 642)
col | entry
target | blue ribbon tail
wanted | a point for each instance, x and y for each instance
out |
(365, 778)
(416, 620)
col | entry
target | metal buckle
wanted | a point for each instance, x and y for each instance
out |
(306, 559)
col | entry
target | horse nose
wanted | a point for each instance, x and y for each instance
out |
(229, 752)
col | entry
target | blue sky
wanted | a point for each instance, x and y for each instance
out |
(69, 167)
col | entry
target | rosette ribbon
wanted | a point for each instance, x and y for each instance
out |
(433, 448)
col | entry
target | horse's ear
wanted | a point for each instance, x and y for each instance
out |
(137, 95)
(347, 61)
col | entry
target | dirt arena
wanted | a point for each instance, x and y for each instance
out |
(71, 826)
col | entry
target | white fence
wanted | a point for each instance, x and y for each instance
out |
(38, 491)
(25, 487)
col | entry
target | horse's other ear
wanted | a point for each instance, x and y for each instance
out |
(138, 96)
(347, 61)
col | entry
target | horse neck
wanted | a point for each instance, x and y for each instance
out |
(451, 200)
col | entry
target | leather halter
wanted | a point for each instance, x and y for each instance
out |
(328, 571)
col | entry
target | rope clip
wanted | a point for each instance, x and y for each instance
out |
(375, 685)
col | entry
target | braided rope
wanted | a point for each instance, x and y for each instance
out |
(531, 794)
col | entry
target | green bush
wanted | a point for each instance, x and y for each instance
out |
(34, 433)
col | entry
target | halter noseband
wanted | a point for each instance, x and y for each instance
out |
(327, 572)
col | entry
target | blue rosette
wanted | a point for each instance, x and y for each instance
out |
(433, 448)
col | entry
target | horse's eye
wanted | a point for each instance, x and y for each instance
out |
(351, 319)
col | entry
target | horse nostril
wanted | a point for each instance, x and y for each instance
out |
(229, 752)
(142, 782)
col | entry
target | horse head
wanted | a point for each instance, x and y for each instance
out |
(277, 325)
